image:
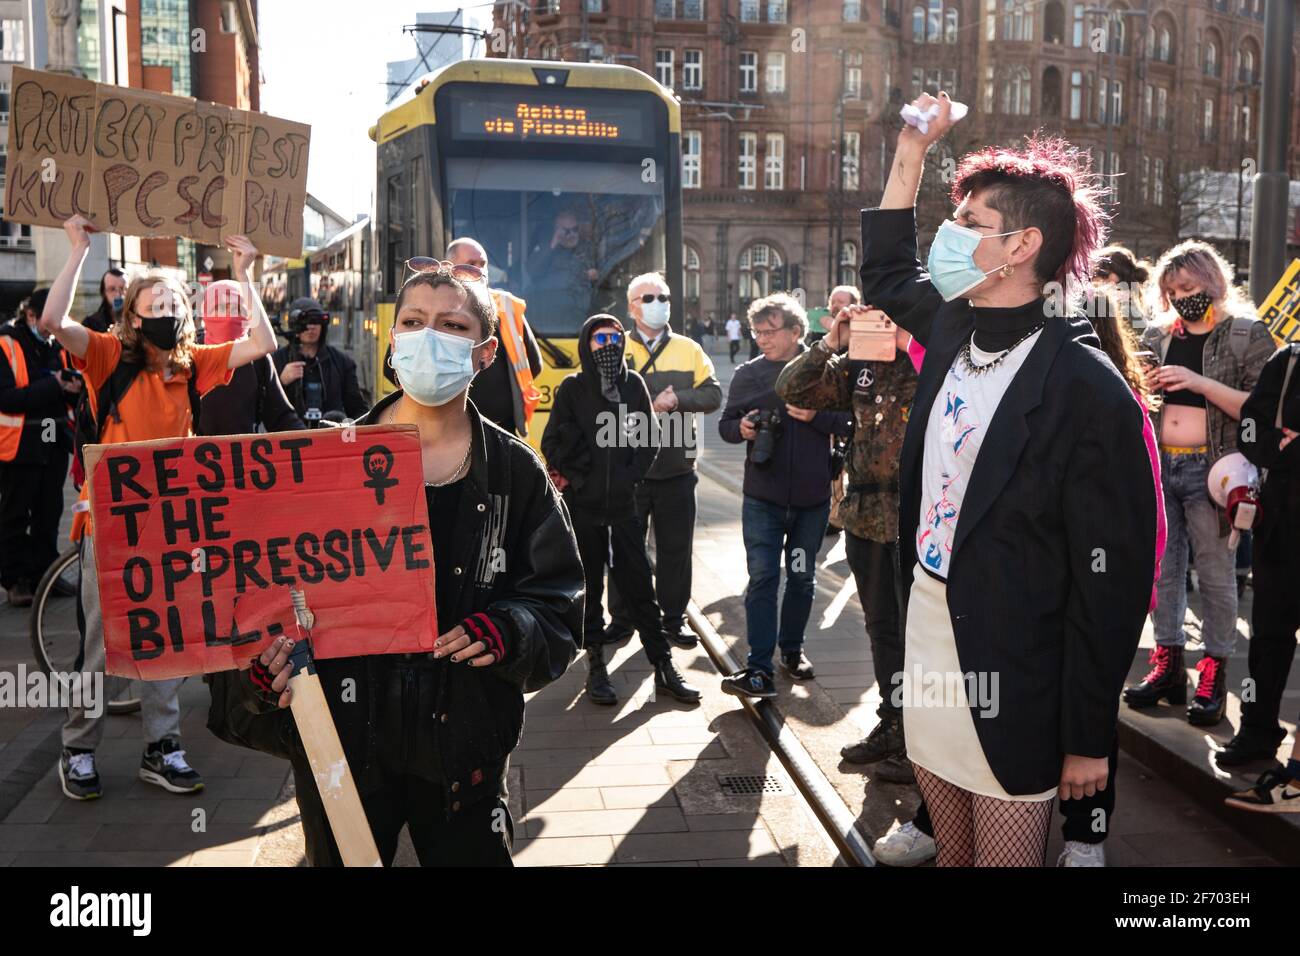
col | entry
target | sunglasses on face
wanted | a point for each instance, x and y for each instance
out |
(608, 338)
(650, 297)
(463, 270)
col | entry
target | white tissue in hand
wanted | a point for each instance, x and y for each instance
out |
(921, 119)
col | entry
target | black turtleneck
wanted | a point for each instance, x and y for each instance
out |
(998, 329)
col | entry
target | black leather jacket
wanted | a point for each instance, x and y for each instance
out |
(507, 503)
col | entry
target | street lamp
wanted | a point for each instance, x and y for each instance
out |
(1244, 89)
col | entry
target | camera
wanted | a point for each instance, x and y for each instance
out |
(767, 425)
(70, 375)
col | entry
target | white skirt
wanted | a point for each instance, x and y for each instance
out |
(938, 723)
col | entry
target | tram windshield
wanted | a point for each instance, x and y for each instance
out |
(564, 236)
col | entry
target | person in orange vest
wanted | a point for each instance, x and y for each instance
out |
(504, 393)
(36, 392)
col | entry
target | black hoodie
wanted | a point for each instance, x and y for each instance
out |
(601, 472)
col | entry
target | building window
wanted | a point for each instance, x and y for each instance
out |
(1077, 32)
(1246, 65)
(1112, 176)
(229, 16)
(950, 83)
(692, 69)
(1160, 43)
(4, 103)
(990, 19)
(1147, 94)
(664, 67)
(1162, 108)
(748, 168)
(950, 25)
(848, 263)
(774, 162)
(757, 264)
(1054, 23)
(918, 24)
(692, 143)
(749, 11)
(12, 46)
(1158, 182)
(852, 76)
(1076, 94)
(934, 22)
(748, 71)
(776, 73)
(664, 9)
(692, 9)
(1116, 34)
(1211, 58)
(852, 11)
(1207, 119)
(988, 89)
(1017, 20)
(850, 160)
(1146, 178)
(1049, 96)
(918, 81)
(1015, 95)
(1117, 102)
(691, 260)
(776, 11)
(1103, 87)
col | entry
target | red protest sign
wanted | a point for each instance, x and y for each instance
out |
(199, 540)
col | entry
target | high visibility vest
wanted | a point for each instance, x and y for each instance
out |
(11, 426)
(511, 325)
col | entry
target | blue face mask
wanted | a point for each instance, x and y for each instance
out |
(116, 304)
(951, 263)
(433, 367)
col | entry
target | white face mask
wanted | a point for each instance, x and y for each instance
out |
(433, 367)
(656, 314)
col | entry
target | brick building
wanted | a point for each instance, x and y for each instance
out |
(789, 109)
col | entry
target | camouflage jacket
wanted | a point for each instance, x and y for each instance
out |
(880, 396)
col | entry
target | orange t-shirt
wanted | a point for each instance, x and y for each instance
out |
(152, 407)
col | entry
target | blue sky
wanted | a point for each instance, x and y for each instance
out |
(325, 64)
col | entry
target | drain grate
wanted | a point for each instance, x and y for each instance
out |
(744, 784)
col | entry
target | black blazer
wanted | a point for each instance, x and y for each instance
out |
(1054, 554)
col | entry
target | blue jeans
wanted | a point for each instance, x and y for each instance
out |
(1192, 515)
(770, 531)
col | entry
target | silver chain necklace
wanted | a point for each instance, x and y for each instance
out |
(392, 413)
(972, 369)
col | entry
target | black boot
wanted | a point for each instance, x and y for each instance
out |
(1167, 679)
(1247, 748)
(668, 678)
(1207, 707)
(886, 740)
(599, 688)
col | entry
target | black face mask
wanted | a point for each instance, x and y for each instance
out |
(163, 332)
(1192, 307)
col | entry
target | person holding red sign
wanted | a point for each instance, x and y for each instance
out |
(144, 378)
(428, 736)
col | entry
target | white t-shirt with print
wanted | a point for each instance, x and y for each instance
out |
(959, 420)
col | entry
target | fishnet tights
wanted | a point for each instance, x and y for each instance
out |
(972, 830)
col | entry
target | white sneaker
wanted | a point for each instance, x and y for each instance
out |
(1082, 854)
(906, 846)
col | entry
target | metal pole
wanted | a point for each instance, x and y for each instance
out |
(1272, 183)
(1241, 182)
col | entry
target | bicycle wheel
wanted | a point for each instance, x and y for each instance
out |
(56, 639)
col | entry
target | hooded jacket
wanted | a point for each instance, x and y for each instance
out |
(601, 448)
(42, 400)
(341, 392)
(507, 505)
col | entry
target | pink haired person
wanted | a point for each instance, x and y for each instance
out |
(1027, 514)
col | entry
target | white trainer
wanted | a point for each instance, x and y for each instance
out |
(906, 846)
(1077, 853)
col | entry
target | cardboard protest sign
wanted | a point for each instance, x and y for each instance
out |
(151, 164)
(1281, 310)
(199, 540)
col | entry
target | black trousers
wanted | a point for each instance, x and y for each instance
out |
(31, 504)
(1087, 820)
(1274, 617)
(478, 835)
(733, 346)
(671, 501)
(875, 571)
(621, 548)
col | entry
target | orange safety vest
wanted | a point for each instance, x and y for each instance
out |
(511, 325)
(11, 426)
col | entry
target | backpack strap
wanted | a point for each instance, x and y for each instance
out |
(1239, 338)
(112, 392)
(263, 382)
(196, 406)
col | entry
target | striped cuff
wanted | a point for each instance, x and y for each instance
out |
(483, 628)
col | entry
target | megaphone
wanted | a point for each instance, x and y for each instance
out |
(1234, 485)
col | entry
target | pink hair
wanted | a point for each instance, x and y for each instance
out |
(1043, 162)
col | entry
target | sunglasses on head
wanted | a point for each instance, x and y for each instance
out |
(608, 338)
(649, 297)
(462, 270)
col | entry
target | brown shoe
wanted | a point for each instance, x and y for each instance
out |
(20, 594)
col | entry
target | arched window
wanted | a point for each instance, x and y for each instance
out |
(757, 263)
(950, 25)
(918, 24)
(1117, 34)
(548, 50)
(1246, 60)
(1054, 23)
(848, 263)
(1050, 94)
(1016, 94)
(1211, 54)
(934, 22)
(691, 264)
(1017, 20)
(1165, 45)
